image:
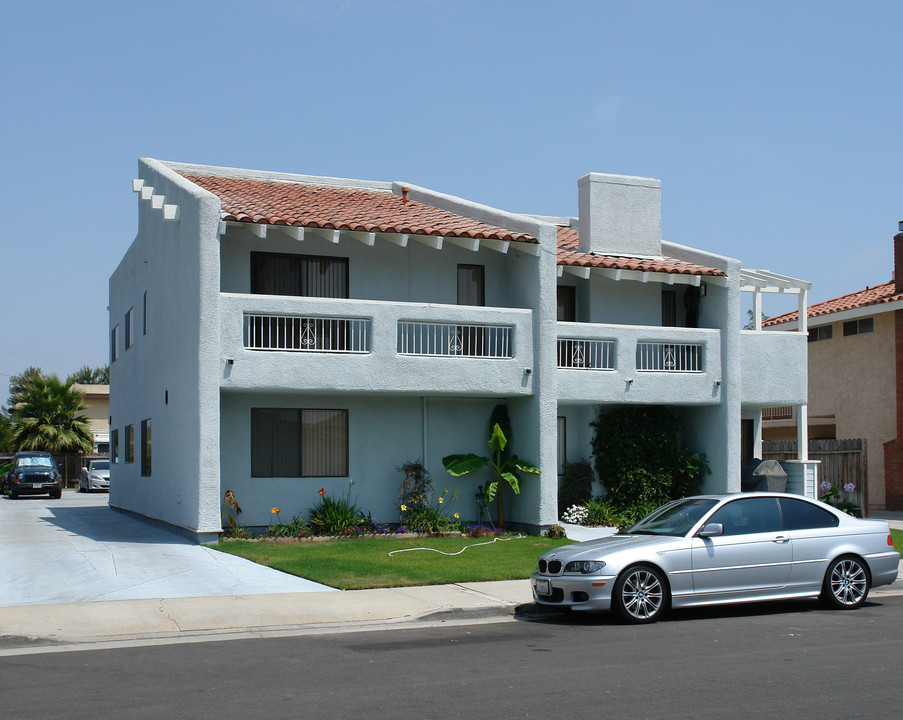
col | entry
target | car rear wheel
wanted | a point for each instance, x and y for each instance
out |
(640, 594)
(846, 584)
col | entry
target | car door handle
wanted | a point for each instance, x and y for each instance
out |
(781, 539)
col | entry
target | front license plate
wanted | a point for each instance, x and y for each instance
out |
(37, 486)
(543, 587)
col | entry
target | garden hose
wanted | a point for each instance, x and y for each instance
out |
(450, 554)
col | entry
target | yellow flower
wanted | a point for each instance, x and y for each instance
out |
(274, 511)
(404, 508)
(441, 500)
(457, 516)
(445, 492)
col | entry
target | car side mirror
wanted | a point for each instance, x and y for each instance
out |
(711, 530)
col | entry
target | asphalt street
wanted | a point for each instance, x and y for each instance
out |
(773, 660)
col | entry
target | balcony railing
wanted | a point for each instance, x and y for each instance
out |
(783, 412)
(669, 357)
(444, 339)
(586, 354)
(306, 334)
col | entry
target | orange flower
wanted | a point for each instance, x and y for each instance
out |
(274, 510)
(321, 491)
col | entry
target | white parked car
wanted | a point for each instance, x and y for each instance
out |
(95, 477)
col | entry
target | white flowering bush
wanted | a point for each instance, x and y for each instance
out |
(575, 515)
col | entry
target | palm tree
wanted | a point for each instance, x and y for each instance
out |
(46, 416)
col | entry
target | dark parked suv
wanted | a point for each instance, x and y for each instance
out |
(33, 473)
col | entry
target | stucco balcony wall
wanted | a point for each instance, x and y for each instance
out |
(381, 368)
(626, 383)
(774, 368)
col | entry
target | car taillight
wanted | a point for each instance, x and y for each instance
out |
(890, 539)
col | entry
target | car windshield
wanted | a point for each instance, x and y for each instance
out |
(24, 462)
(675, 518)
(100, 465)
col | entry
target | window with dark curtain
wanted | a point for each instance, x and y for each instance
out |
(288, 442)
(304, 275)
(471, 285)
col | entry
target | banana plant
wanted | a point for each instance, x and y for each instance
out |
(504, 467)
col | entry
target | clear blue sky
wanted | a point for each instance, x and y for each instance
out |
(775, 127)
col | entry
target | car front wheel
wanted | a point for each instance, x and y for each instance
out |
(640, 594)
(846, 584)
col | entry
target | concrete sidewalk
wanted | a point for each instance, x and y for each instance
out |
(186, 619)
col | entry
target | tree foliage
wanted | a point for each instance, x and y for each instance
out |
(638, 458)
(90, 376)
(46, 414)
(504, 466)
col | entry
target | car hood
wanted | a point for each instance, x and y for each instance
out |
(102, 474)
(602, 547)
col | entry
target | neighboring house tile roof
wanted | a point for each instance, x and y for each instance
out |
(876, 295)
(277, 202)
(569, 254)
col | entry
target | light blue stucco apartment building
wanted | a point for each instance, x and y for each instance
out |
(275, 334)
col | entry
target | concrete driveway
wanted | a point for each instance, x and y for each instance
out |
(78, 549)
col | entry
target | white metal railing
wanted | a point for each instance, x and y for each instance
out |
(669, 357)
(445, 339)
(306, 334)
(586, 354)
(782, 412)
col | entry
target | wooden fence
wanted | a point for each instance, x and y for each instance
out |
(843, 462)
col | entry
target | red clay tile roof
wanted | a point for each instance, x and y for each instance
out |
(278, 202)
(569, 254)
(876, 295)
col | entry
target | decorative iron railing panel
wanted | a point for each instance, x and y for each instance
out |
(586, 354)
(669, 357)
(306, 334)
(451, 340)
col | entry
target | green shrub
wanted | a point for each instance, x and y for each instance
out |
(576, 485)
(556, 531)
(638, 459)
(335, 515)
(416, 486)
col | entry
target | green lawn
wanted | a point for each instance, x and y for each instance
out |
(358, 563)
(898, 540)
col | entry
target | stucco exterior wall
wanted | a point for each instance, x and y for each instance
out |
(853, 378)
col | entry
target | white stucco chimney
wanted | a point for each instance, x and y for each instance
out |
(620, 214)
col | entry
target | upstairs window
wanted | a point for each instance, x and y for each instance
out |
(822, 332)
(114, 344)
(858, 327)
(567, 303)
(301, 275)
(471, 285)
(669, 308)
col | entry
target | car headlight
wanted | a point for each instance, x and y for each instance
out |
(584, 567)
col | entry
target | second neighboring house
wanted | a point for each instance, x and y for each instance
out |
(855, 360)
(97, 400)
(277, 335)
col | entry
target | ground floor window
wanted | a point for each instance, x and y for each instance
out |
(130, 443)
(298, 442)
(114, 450)
(146, 448)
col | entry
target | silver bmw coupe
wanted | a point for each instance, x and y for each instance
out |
(714, 549)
